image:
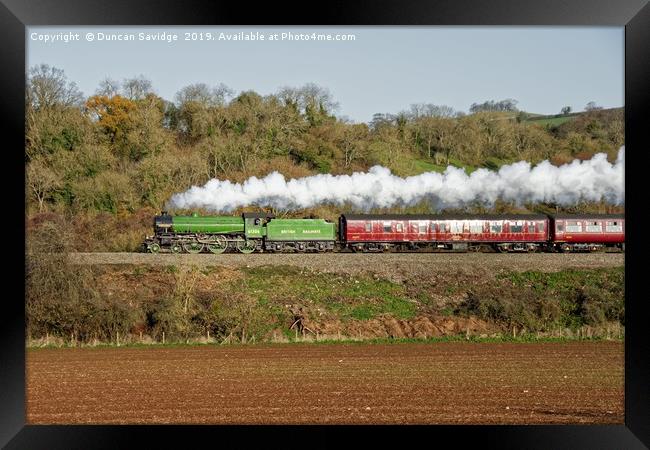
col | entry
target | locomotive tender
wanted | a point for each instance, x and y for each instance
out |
(264, 232)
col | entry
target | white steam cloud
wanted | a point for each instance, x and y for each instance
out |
(591, 180)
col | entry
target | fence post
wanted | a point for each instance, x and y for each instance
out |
(163, 337)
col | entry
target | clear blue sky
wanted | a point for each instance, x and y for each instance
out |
(385, 69)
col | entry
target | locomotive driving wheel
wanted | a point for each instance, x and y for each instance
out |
(246, 246)
(218, 245)
(193, 247)
(175, 247)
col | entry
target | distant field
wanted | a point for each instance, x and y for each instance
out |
(422, 166)
(553, 121)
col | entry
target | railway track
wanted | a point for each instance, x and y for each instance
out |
(394, 265)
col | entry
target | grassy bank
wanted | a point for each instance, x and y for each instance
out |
(40, 344)
(125, 305)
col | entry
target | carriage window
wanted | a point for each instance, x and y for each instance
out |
(476, 227)
(456, 226)
(559, 227)
(423, 228)
(495, 227)
(443, 227)
(540, 227)
(516, 227)
(614, 227)
(400, 227)
(594, 227)
(531, 227)
(368, 227)
(574, 227)
(388, 227)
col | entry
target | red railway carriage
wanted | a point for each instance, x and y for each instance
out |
(516, 232)
(588, 231)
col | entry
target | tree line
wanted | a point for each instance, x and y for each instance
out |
(125, 149)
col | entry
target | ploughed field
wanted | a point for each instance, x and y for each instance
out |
(402, 383)
(391, 265)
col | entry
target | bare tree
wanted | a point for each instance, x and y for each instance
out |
(350, 140)
(48, 87)
(381, 119)
(42, 181)
(136, 88)
(108, 87)
(436, 136)
(204, 95)
(289, 96)
(309, 96)
(418, 110)
(591, 106)
(313, 95)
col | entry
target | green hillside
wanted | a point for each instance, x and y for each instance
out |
(99, 167)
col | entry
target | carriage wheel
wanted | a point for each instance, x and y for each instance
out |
(193, 247)
(219, 245)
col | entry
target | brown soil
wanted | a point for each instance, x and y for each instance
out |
(386, 326)
(423, 383)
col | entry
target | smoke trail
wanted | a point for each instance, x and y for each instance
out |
(592, 180)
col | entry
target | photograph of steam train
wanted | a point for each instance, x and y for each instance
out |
(349, 225)
(260, 232)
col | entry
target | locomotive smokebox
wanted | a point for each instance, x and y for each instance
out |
(162, 223)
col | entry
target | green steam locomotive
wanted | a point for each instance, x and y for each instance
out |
(246, 234)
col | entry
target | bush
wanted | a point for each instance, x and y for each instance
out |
(509, 307)
(539, 301)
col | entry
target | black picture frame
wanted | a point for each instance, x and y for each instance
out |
(634, 15)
